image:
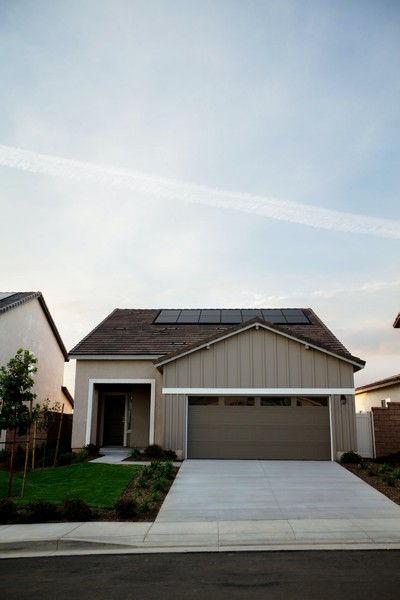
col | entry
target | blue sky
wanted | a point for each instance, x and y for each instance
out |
(286, 104)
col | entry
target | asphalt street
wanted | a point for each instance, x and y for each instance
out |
(308, 575)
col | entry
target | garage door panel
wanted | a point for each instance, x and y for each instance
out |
(259, 432)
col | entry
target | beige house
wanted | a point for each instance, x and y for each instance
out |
(216, 383)
(378, 394)
(26, 322)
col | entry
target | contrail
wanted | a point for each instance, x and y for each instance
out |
(171, 189)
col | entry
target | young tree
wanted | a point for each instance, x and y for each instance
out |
(16, 398)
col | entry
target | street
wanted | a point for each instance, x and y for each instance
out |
(308, 575)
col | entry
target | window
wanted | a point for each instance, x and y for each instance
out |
(239, 401)
(275, 401)
(203, 400)
(312, 401)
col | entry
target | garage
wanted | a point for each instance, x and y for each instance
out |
(259, 427)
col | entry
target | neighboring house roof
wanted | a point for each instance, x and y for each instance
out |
(396, 323)
(376, 385)
(67, 394)
(11, 300)
(130, 332)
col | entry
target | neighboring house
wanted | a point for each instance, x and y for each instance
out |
(378, 394)
(245, 383)
(25, 322)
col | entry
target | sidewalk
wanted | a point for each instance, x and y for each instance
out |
(62, 539)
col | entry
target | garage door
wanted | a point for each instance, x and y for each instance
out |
(291, 428)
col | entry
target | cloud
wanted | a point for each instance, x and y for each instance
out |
(171, 189)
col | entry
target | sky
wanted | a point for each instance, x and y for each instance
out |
(188, 154)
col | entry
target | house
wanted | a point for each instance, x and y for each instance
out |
(378, 394)
(26, 322)
(216, 383)
(396, 322)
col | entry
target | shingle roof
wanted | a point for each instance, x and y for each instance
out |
(376, 385)
(12, 300)
(133, 332)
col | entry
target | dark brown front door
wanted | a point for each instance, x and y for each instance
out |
(114, 414)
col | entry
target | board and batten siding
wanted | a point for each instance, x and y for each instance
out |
(259, 359)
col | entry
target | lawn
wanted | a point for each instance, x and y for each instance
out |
(99, 485)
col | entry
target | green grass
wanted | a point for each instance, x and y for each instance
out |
(99, 485)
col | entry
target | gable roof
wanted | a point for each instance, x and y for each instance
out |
(376, 385)
(130, 332)
(11, 300)
(396, 323)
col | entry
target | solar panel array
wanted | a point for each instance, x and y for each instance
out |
(231, 316)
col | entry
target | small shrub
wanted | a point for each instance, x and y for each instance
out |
(159, 484)
(383, 468)
(155, 496)
(8, 510)
(66, 458)
(363, 465)
(168, 469)
(126, 508)
(169, 455)
(350, 458)
(81, 456)
(390, 479)
(40, 511)
(371, 472)
(143, 481)
(154, 451)
(92, 449)
(75, 509)
(135, 453)
(144, 506)
(396, 473)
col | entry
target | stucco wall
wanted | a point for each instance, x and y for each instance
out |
(366, 400)
(112, 370)
(26, 327)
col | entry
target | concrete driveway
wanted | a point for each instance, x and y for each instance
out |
(248, 490)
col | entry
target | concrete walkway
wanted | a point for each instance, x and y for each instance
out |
(221, 506)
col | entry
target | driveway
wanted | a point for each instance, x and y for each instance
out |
(237, 490)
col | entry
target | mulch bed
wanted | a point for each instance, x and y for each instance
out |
(377, 481)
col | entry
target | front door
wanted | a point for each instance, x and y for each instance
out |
(114, 419)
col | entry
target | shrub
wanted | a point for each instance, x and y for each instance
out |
(75, 509)
(167, 469)
(126, 508)
(40, 511)
(144, 506)
(350, 458)
(92, 449)
(383, 468)
(396, 473)
(371, 472)
(155, 496)
(135, 453)
(154, 451)
(363, 465)
(169, 455)
(8, 510)
(143, 481)
(66, 458)
(81, 456)
(159, 484)
(390, 479)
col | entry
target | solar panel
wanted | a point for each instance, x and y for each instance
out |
(210, 316)
(230, 316)
(4, 295)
